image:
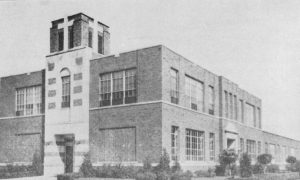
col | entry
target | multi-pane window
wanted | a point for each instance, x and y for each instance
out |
(251, 148)
(211, 146)
(259, 117)
(194, 90)
(114, 85)
(242, 145)
(60, 39)
(174, 143)
(226, 104)
(90, 43)
(266, 148)
(174, 92)
(241, 111)
(194, 145)
(250, 115)
(71, 37)
(258, 147)
(100, 43)
(65, 91)
(230, 106)
(235, 108)
(211, 100)
(29, 101)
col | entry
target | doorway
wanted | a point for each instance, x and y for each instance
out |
(65, 143)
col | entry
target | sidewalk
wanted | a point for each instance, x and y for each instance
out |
(33, 178)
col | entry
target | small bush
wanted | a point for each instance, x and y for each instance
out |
(162, 175)
(220, 170)
(257, 169)
(67, 176)
(245, 165)
(164, 162)
(291, 159)
(176, 167)
(179, 175)
(86, 168)
(272, 168)
(145, 176)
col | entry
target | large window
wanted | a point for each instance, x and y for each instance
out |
(71, 37)
(211, 100)
(250, 115)
(118, 88)
(90, 43)
(174, 143)
(29, 101)
(60, 39)
(100, 43)
(242, 149)
(251, 148)
(194, 145)
(230, 106)
(174, 92)
(226, 104)
(258, 147)
(194, 91)
(211, 146)
(235, 108)
(259, 117)
(241, 111)
(65, 91)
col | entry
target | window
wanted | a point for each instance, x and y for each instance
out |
(194, 145)
(266, 148)
(71, 37)
(100, 43)
(174, 143)
(65, 91)
(250, 115)
(259, 117)
(211, 146)
(235, 109)
(29, 101)
(211, 100)
(195, 94)
(117, 144)
(241, 111)
(272, 151)
(226, 104)
(90, 37)
(242, 145)
(60, 39)
(114, 85)
(258, 147)
(251, 148)
(230, 106)
(174, 93)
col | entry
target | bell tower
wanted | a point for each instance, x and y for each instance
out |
(74, 41)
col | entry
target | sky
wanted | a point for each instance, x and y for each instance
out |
(254, 43)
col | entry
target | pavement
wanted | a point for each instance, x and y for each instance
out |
(33, 178)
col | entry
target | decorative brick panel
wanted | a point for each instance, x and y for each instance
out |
(77, 76)
(77, 89)
(51, 66)
(77, 102)
(51, 93)
(78, 61)
(51, 81)
(51, 106)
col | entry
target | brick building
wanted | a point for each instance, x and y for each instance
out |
(126, 107)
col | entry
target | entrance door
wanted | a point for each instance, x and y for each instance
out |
(231, 144)
(69, 153)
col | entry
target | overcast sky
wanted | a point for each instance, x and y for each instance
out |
(254, 43)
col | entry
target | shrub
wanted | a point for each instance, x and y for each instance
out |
(147, 175)
(162, 175)
(272, 168)
(67, 176)
(37, 164)
(245, 165)
(258, 169)
(202, 173)
(179, 175)
(264, 160)
(147, 164)
(86, 168)
(220, 170)
(164, 162)
(227, 159)
(291, 159)
(176, 167)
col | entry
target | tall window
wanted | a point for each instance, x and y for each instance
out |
(226, 104)
(211, 146)
(235, 108)
(174, 143)
(258, 147)
(194, 145)
(29, 101)
(242, 145)
(211, 100)
(259, 117)
(266, 148)
(71, 37)
(90, 37)
(118, 88)
(230, 106)
(241, 111)
(250, 115)
(65, 91)
(174, 93)
(194, 91)
(100, 43)
(60, 39)
(251, 148)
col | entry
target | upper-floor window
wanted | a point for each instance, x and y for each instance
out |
(230, 106)
(241, 111)
(250, 115)
(65, 80)
(60, 39)
(118, 88)
(71, 37)
(174, 92)
(175, 143)
(235, 109)
(100, 43)
(226, 104)
(194, 91)
(259, 117)
(90, 43)
(211, 100)
(29, 101)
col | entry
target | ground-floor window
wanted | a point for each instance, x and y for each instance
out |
(174, 143)
(211, 146)
(194, 145)
(258, 147)
(117, 144)
(242, 145)
(251, 148)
